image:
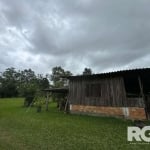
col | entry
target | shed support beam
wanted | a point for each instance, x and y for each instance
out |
(142, 94)
(47, 99)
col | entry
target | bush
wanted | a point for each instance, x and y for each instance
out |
(39, 108)
(28, 101)
(39, 100)
(29, 94)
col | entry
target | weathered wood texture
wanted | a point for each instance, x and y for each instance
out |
(112, 93)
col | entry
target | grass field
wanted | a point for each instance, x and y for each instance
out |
(25, 129)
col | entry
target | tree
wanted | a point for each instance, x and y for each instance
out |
(21, 83)
(8, 82)
(58, 76)
(28, 83)
(43, 81)
(87, 71)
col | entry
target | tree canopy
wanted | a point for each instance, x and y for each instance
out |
(14, 83)
(87, 71)
(57, 77)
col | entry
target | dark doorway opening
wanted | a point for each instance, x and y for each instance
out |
(132, 86)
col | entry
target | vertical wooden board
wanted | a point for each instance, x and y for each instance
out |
(123, 96)
(77, 92)
(70, 92)
(107, 92)
(111, 92)
(84, 94)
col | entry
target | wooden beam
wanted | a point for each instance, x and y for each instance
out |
(47, 99)
(142, 94)
(141, 86)
(67, 101)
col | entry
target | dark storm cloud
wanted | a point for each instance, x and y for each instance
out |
(16, 12)
(101, 34)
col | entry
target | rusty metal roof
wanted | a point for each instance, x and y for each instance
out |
(137, 71)
(57, 90)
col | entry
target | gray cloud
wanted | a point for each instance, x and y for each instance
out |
(104, 35)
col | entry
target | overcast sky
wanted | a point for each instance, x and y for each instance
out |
(105, 35)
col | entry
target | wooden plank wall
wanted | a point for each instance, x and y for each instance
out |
(112, 93)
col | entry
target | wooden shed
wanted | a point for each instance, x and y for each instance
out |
(122, 94)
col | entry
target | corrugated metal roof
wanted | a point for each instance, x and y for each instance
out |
(137, 71)
(57, 90)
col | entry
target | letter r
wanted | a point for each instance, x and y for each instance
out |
(134, 133)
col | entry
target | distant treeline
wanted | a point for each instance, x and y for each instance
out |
(19, 83)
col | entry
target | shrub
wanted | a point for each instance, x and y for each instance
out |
(28, 101)
(39, 100)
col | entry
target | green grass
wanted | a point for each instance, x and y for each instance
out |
(25, 129)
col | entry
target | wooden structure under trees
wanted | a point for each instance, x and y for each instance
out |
(61, 95)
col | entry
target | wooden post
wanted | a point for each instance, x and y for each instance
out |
(142, 94)
(47, 98)
(67, 101)
(141, 87)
